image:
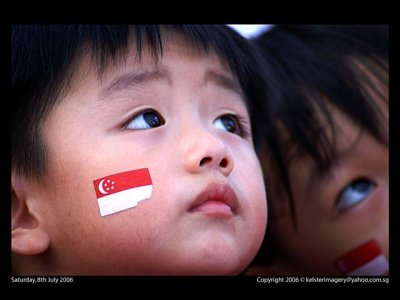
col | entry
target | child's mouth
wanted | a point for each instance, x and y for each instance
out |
(216, 200)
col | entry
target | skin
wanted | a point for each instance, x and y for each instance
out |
(87, 138)
(326, 232)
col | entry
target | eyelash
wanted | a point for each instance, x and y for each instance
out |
(350, 191)
(142, 114)
(242, 123)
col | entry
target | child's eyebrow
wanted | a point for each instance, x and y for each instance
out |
(222, 80)
(134, 79)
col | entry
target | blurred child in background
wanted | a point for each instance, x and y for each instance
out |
(326, 158)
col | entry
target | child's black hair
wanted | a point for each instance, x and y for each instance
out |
(314, 67)
(45, 57)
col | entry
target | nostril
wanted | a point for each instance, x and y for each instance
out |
(223, 163)
(204, 161)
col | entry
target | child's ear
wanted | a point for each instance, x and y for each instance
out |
(27, 234)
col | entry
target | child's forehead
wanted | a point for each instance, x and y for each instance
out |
(174, 48)
(177, 56)
(330, 125)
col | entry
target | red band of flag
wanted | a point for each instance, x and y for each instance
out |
(122, 181)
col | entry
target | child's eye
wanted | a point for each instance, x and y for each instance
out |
(145, 120)
(228, 123)
(354, 193)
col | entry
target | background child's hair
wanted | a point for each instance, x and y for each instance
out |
(315, 67)
(45, 58)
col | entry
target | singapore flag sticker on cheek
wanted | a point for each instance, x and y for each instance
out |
(121, 191)
(365, 260)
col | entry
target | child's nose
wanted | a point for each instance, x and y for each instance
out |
(205, 151)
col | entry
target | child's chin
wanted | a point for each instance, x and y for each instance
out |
(221, 267)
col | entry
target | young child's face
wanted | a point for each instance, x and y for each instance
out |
(341, 218)
(207, 211)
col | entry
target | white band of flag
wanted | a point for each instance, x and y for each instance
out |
(123, 200)
(377, 267)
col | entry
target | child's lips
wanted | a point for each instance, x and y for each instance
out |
(216, 200)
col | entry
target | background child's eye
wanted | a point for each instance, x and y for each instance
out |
(228, 123)
(145, 120)
(354, 193)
